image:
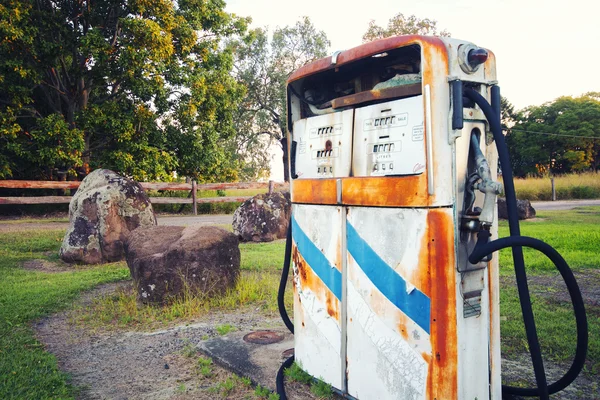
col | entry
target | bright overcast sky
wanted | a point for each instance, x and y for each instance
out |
(544, 48)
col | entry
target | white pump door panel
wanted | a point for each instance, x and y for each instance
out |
(324, 145)
(389, 138)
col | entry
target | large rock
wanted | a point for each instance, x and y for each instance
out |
(104, 210)
(524, 209)
(167, 261)
(263, 218)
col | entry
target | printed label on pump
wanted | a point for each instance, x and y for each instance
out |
(324, 146)
(388, 138)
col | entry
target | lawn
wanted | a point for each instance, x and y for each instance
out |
(27, 371)
(576, 235)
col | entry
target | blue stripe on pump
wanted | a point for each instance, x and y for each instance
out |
(328, 273)
(416, 305)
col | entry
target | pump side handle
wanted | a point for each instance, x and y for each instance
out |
(293, 160)
(457, 104)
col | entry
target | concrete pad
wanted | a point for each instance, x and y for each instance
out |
(259, 362)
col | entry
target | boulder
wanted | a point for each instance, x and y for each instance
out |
(168, 261)
(263, 218)
(524, 209)
(104, 210)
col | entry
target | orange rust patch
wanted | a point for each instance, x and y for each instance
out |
(366, 50)
(426, 357)
(338, 253)
(442, 377)
(310, 281)
(333, 305)
(402, 329)
(403, 191)
(314, 191)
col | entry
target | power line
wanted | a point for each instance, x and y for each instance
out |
(556, 134)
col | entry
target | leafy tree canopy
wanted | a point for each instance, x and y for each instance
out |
(262, 65)
(558, 137)
(139, 86)
(403, 25)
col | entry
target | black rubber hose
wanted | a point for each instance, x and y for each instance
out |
(515, 241)
(287, 259)
(279, 380)
(513, 221)
(576, 299)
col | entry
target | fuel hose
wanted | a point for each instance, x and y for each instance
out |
(287, 260)
(516, 242)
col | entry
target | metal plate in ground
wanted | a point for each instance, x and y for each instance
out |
(259, 362)
(264, 337)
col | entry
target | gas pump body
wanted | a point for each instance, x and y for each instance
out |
(386, 304)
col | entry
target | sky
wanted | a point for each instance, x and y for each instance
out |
(544, 48)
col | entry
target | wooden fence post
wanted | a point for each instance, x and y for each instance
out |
(194, 197)
(271, 187)
(553, 189)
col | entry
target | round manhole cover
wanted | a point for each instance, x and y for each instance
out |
(263, 337)
(288, 353)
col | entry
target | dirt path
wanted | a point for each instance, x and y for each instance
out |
(136, 365)
(563, 204)
(151, 365)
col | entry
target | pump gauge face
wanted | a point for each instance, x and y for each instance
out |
(389, 138)
(324, 145)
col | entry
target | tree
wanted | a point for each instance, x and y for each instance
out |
(263, 66)
(402, 25)
(559, 137)
(141, 87)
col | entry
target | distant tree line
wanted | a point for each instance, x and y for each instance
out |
(154, 89)
(149, 88)
(557, 137)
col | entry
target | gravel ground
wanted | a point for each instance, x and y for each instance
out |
(134, 365)
(149, 365)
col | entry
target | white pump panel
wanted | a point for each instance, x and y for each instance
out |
(324, 145)
(389, 138)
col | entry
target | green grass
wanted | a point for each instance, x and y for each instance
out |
(258, 284)
(262, 256)
(555, 324)
(33, 220)
(26, 370)
(572, 186)
(295, 373)
(224, 329)
(204, 366)
(575, 234)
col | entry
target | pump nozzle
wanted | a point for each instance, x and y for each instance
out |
(486, 185)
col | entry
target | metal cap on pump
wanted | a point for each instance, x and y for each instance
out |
(470, 57)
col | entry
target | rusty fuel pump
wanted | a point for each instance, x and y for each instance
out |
(394, 150)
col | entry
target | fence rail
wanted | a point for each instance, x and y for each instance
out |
(192, 187)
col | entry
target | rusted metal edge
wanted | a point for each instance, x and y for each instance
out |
(362, 51)
(373, 95)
